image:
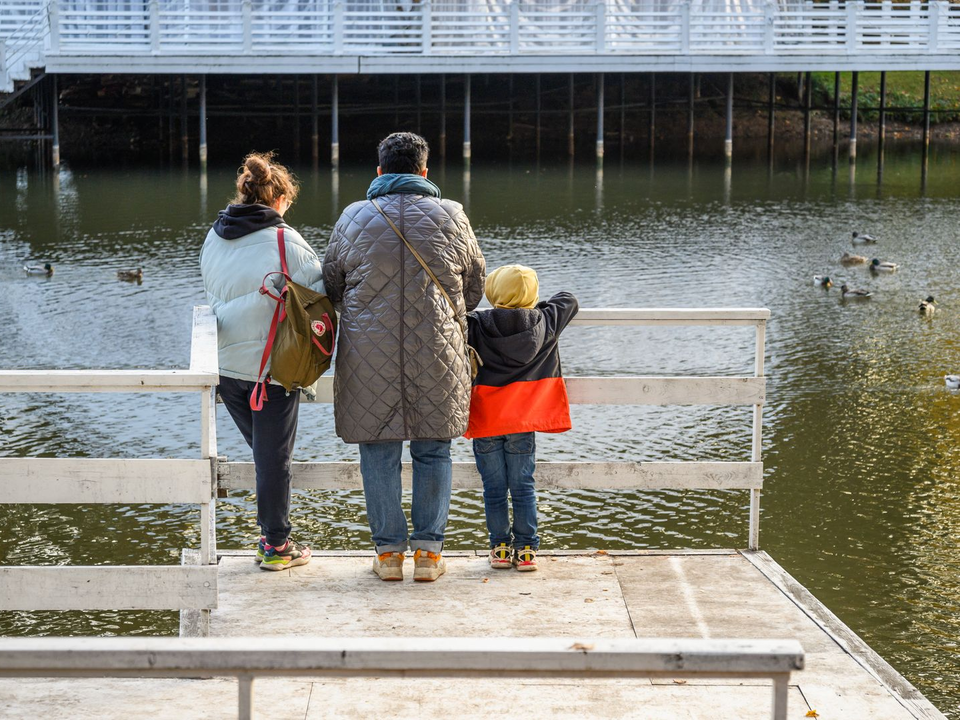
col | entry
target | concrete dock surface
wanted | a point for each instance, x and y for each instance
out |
(708, 594)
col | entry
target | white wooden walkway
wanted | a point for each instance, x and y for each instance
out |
(474, 36)
(671, 594)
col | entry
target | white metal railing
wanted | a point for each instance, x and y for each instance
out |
(120, 480)
(491, 658)
(489, 27)
(80, 481)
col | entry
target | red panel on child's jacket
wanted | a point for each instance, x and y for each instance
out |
(520, 387)
(533, 406)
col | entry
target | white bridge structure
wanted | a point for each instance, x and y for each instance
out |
(658, 618)
(473, 36)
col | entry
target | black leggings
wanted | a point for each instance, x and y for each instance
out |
(271, 433)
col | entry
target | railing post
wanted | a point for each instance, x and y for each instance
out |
(338, 28)
(426, 27)
(3, 64)
(601, 26)
(245, 690)
(685, 27)
(514, 27)
(247, 14)
(753, 542)
(769, 17)
(154, 26)
(853, 10)
(53, 17)
(781, 684)
(933, 15)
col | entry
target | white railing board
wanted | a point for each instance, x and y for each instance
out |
(106, 587)
(670, 316)
(619, 657)
(203, 343)
(84, 381)
(638, 390)
(550, 476)
(95, 480)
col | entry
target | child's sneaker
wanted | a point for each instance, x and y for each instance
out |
(389, 565)
(501, 556)
(428, 566)
(260, 550)
(525, 559)
(288, 555)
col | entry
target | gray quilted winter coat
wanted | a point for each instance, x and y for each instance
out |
(401, 367)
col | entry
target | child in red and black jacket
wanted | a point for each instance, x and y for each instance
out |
(519, 391)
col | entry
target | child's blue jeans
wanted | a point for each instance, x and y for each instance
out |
(507, 463)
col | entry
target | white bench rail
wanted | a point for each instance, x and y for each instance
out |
(248, 658)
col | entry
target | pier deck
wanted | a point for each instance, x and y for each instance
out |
(620, 594)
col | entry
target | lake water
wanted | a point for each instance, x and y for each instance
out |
(861, 439)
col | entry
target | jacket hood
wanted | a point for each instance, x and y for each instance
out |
(239, 220)
(516, 335)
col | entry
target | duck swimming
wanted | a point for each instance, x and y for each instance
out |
(45, 269)
(883, 266)
(849, 259)
(953, 382)
(926, 306)
(822, 281)
(130, 275)
(849, 293)
(863, 238)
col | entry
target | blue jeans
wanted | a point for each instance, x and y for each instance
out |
(507, 463)
(432, 475)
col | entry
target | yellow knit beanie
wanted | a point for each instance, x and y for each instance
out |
(513, 286)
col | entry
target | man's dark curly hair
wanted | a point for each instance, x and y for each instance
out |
(403, 152)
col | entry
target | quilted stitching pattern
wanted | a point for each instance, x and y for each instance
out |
(402, 371)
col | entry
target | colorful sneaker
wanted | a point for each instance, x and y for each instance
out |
(525, 559)
(389, 565)
(501, 556)
(428, 566)
(288, 555)
(260, 550)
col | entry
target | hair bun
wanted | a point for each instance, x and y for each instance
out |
(259, 169)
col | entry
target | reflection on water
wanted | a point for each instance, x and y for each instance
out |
(862, 447)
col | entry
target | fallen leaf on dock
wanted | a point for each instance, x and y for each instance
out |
(680, 682)
(812, 713)
(581, 646)
(588, 599)
(601, 552)
(486, 579)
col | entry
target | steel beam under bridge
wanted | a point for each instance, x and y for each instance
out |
(243, 64)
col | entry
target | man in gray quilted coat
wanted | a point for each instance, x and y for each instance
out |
(402, 371)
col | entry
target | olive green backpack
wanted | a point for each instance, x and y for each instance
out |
(302, 333)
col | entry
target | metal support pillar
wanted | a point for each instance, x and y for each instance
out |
(170, 134)
(691, 100)
(652, 126)
(296, 117)
(538, 117)
(335, 122)
(314, 124)
(882, 128)
(926, 110)
(623, 113)
(396, 101)
(443, 116)
(836, 113)
(728, 141)
(854, 97)
(807, 115)
(510, 109)
(771, 115)
(466, 119)
(54, 123)
(570, 125)
(600, 94)
(184, 133)
(419, 97)
(203, 120)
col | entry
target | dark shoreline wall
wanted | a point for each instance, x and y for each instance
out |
(111, 119)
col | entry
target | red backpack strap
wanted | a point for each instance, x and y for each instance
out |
(259, 394)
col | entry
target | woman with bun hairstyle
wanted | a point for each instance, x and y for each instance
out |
(240, 250)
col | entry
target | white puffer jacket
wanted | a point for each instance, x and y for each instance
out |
(239, 251)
